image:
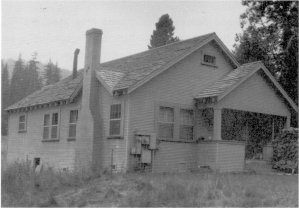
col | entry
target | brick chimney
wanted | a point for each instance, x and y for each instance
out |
(89, 118)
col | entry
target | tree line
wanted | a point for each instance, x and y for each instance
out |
(25, 80)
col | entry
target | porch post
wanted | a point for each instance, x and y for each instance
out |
(217, 124)
(288, 122)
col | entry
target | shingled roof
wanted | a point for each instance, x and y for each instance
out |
(63, 90)
(226, 84)
(125, 72)
(117, 74)
(228, 81)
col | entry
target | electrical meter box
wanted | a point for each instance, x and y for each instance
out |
(145, 139)
(146, 156)
(153, 142)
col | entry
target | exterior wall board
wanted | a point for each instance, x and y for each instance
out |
(29, 145)
(222, 156)
(255, 95)
(117, 145)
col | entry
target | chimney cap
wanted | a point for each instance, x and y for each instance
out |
(94, 30)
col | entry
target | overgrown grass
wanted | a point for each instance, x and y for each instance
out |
(21, 186)
(145, 189)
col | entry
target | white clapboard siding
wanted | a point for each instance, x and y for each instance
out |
(29, 145)
(255, 95)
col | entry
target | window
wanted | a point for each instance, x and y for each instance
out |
(115, 120)
(50, 126)
(73, 123)
(166, 122)
(186, 124)
(211, 60)
(22, 123)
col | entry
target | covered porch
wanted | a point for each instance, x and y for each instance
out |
(247, 105)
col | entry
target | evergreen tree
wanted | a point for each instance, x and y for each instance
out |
(4, 85)
(18, 84)
(52, 73)
(32, 76)
(4, 97)
(48, 73)
(164, 32)
(56, 73)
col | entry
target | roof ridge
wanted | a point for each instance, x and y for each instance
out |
(254, 62)
(167, 45)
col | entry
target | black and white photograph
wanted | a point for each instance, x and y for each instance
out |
(150, 103)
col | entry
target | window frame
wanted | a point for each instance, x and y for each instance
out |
(176, 129)
(121, 119)
(73, 124)
(50, 126)
(24, 122)
(166, 123)
(208, 63)
(187, 125)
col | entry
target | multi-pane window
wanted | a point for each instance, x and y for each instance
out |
(186, 124)
(73, 123)
(166, 122)
(50, 126)
(115, 120)
(22, 123)
(209, 59)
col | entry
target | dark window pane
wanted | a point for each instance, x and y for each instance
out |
(115, 127)
(72, 131)
(54, 118)
(166, 131)
(73, 116)
(21, 126)
(166, 114)
(22, 118)
(46, 133)
(186, 132)
(209, 59)
(115, 111)
(46, 120)
(54, 132)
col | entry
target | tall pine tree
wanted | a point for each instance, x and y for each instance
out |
(164, 33)
(18, 82)
(4, 97)
(52, 73)
(32, 75)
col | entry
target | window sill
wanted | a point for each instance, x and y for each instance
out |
(71, 139)
(50, 140)
(208, 64)
(178, 140)
(22, 131)
(115, 137)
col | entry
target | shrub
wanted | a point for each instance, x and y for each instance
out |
(285, 151)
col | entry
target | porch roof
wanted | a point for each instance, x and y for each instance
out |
(229, 82)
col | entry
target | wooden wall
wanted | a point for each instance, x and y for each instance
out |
(224, 156)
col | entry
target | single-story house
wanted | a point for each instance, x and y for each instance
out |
(160, 109)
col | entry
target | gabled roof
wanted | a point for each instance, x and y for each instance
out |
(136, 69)
(233, 79)
(64, 90)
(125, 73)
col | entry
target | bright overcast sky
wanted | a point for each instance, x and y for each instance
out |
(54, 29)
